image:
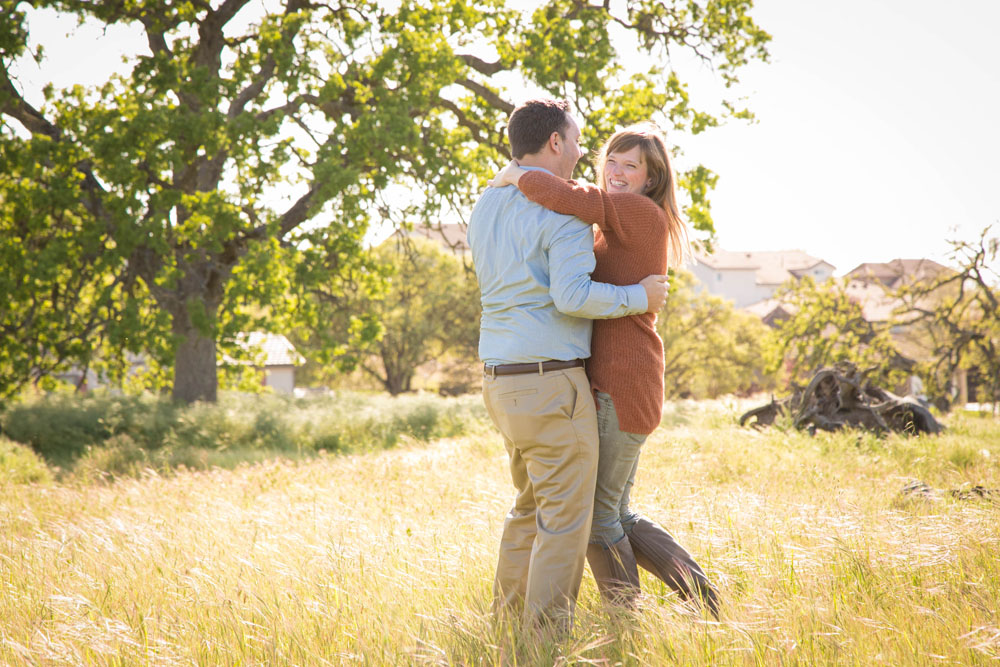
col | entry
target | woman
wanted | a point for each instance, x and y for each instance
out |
(640, 232)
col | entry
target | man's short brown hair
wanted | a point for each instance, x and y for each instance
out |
(532, 123)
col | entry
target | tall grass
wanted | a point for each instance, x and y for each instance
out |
(386, 557)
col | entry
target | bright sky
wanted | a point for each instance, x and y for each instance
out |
(877, 134)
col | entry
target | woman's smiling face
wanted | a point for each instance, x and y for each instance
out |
(626, 172)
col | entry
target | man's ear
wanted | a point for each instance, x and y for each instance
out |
(555, 143)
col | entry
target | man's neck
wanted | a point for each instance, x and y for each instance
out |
(541, 161)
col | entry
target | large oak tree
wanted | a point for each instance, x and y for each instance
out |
(225, 182)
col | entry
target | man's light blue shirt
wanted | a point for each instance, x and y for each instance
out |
(534, 269)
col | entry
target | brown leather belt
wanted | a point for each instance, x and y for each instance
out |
(537, 367)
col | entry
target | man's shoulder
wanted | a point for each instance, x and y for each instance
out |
(510, 202)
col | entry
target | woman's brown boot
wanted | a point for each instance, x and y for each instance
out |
(615, 571)
(657, 551)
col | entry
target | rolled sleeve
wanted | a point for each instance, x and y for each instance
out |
(571, 261)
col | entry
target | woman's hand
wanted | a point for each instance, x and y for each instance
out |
(509, 175)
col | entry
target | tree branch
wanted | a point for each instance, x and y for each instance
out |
(463, 120)
(481, 65)
(257, 85)
(491, 98)
(297, 213)
(14, 105)
(292, 106)
(155, 35)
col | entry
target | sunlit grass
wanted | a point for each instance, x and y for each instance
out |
(387, 557)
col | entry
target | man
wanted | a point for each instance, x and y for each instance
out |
(538, 301)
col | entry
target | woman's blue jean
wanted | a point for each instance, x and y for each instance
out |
(618, 460)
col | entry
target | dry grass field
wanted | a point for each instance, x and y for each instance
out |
(386, 557)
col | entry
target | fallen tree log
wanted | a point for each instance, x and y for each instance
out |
(843, 397)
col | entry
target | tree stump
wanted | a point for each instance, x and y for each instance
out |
(841, 397)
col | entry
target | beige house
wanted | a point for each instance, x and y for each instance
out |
(896, 273)
(870, 284)
(276, 355)
(746, 278)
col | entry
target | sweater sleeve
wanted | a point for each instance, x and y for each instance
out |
(630, 217)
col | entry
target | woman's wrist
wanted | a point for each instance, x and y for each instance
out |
(516, 174)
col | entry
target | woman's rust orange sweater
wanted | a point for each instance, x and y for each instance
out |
(626, 354)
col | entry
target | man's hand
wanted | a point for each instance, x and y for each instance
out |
(656, 292)
(509, 175)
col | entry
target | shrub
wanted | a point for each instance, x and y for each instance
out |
(119, 456)
(114, 435)
(20, 465)
(59, 428)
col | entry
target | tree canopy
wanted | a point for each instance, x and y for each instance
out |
(430, 310)
(825, 327)
(710, 347)
(225, 182)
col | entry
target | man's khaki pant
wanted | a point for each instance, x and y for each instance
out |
(549, 424)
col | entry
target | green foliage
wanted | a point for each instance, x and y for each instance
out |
(710, 348)
(228, 177)
(59, 428)
(955, 317)
(20, 465)
(826, 326)
(101, 436)
(118, 456)
(428, 311)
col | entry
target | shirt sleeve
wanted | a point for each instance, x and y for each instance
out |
(630, 217)
(571, 261)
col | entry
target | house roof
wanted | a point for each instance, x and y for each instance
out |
(275, 349)
(770, 311)
(897, 272)
(876, 304)
(771, 267)
(764, 307)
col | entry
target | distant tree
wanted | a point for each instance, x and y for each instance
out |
(827, 326)
(230, 174)
(429, 310)
(710, 348)
(958, 316)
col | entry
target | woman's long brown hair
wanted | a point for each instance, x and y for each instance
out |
(661, 190)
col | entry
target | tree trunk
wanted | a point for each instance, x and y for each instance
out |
(195, 373)
(397, 381)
